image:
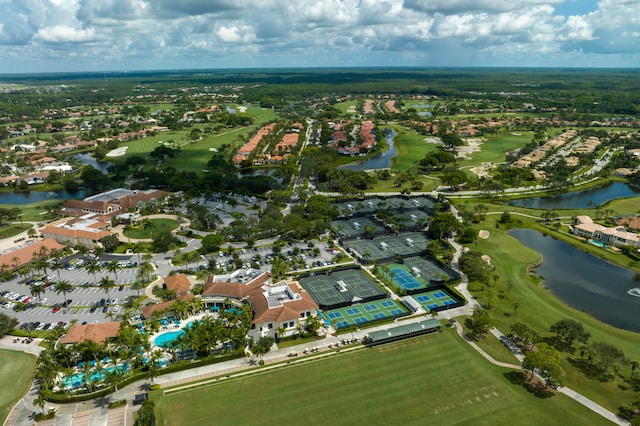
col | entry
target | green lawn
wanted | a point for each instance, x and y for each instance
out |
(158, 224)
(539, 308)
(16, 372)
(495, 147)
(434, 379)
(344, 106)
(411, 147)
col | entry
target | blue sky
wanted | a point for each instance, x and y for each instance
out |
(103, 35)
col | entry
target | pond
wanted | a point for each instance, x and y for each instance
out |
(586, 282)
(89, 160)
(18, 198)
(382, 161)
(588, 198)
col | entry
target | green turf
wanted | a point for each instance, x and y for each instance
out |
(411, 147)
(158, 224)
(16, 372)
(494, 148)
(344, 106)
(436, 379)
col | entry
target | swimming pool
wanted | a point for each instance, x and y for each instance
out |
(598, 243)
(164, 339)
(77, 380)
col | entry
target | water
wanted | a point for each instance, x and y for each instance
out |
(15, 198)
(382, 161)
(581, 199)
(88, 160)
(163, 340)
(585, 282)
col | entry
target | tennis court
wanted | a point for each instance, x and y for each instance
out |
(434, 299)
(429, 270)
(401, 277)
(341, 288)
(354, 228)
(362, 313)
(387, 246)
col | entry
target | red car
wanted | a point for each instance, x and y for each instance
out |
(56, 309)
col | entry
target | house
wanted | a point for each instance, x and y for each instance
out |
(282, 306)
(617, 236)
(98, 332)
(178, 283)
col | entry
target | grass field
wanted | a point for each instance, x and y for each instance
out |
(434, 379)
(539, 308)
(411, 148)
(495, 147)
(158, 224)
(16, 370)
(344, 106)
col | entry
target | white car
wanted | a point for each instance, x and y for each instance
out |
(116, 308)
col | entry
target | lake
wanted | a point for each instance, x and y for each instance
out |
(382, 161)
(89, 160)
(588, 198)
(15, 198)
(586, 282)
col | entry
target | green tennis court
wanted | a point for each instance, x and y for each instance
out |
(429, 270)
(363, 313)
(341, 288)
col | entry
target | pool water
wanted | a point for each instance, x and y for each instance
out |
(76, 380)
(598, 243)
(164, 339)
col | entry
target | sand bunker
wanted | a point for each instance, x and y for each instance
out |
(486, 258)
(118, 152)
(472, 145)
(433, 139)
(484, 234)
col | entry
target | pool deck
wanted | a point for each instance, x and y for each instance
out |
(172, 328)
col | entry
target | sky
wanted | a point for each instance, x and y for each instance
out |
(118, 35)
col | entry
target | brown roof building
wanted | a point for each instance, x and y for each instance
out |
(27, 253)
(276, 306)
(98, 333)
(178, 283)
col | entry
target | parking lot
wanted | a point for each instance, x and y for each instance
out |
(53, 308)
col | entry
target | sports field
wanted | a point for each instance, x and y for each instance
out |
(433, 379)
(340, 288)
(355, 227)
(429, 270)
(387, 246)
(363, 313)
(16, 370)
(403, 278)
(434, 299)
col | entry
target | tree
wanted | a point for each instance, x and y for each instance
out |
(93, 267)
(606, 355)
(480, 323)
(263, 346)
(113, 267)
(524, 333)
(106, 284)
(7, 324)
(569, 331)
(37, 291)
(110, 243)
(443, 224)
(62, 287)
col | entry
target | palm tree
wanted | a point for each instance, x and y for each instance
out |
(93, 267)
(40, 401)
(37, 291)
(57, 265)
(113, 267)
(146, 269)
(63, 287)
(106, 284)
(83, 251)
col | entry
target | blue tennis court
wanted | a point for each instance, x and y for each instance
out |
(370, 308)
(387, 303)
(334, 315)
(405, 279)
(434, 299)
(353, 311)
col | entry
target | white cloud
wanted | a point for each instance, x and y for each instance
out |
(64, 34)
(202, 33)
